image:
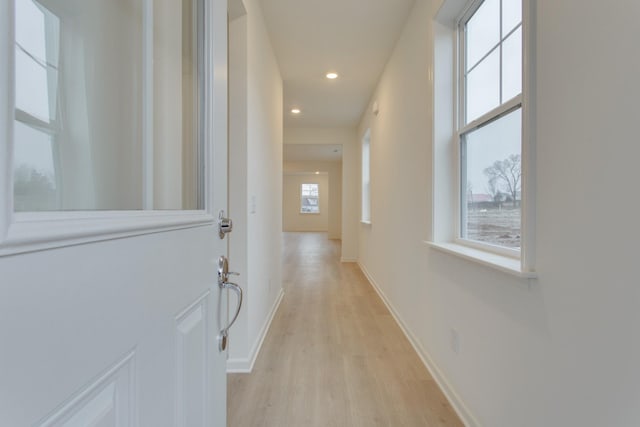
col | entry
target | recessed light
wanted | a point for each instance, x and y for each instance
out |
(295, 110)
(317, 173)
(332, 76)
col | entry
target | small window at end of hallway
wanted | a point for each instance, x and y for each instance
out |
(366, 177)
(309, 199)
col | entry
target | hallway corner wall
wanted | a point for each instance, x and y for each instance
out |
(256, 180)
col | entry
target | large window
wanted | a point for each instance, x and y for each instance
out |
(309, 199)
(366, 178)
(490, 125)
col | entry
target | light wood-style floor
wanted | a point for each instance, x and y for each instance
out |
(334, 356)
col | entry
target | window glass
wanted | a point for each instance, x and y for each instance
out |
(482, 31)
(34, 170)
(82, 98)
(483, 87)
(511, 15)
(309, 200)
(512, 66)
(492, 181)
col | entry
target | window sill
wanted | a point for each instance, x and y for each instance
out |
(365, 222)
(502, 263)
(309, 213)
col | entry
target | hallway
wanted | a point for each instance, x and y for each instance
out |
(334, 356)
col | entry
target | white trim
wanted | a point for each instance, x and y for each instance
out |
(492, 115)
(348, 259)
(147, 105)
(363, 222)
(7, 101)
(447, 389)
(496, 261)
(528, 187)
(245, 365)
(35, 232)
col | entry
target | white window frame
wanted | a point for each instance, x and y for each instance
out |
(22, 232)
(365, 164)
(302, 196)
(448, 86)
(487, 118)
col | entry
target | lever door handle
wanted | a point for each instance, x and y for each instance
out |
(238, 290)
(224, 333)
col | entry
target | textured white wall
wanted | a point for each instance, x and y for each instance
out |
(563, 350)
(264, 171)
(255, 178)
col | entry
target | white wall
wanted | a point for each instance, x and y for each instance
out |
(334, 171)
(255, 179)
(292, 219)
(350, 178)
(564, 349)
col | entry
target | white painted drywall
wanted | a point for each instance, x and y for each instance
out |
(292, 218)
(238, 207)
(350, 177)
(255, 178)
(334, 171)
(264, 171)
(564, 349)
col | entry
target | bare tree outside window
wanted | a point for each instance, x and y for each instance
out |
(506, 176)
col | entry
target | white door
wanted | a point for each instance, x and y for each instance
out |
(113, 117)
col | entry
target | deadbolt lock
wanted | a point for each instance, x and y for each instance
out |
(225, 225)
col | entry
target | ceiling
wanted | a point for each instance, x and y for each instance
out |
(354, 38)
(312, 152)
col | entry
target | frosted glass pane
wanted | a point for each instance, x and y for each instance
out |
(483, 87)
(512, 66)
(30, 28)
(491, 166)
(511, 15)
(32, 89)
(80, 80)
(483, 31)
(176, 71)
(34, 171)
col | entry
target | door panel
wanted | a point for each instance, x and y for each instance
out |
(121, 329)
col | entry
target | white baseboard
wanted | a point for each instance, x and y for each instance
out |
(245, 365)
(456, 402)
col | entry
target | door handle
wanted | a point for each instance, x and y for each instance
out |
(223, 283)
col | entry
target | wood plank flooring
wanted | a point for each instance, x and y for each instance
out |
(334, 356)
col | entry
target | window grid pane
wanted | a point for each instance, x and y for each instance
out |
(309, 200)
(482, 48)
(491, 182)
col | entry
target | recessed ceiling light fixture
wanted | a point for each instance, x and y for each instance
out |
(317, 172)
(332, 76)
(295, 110)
